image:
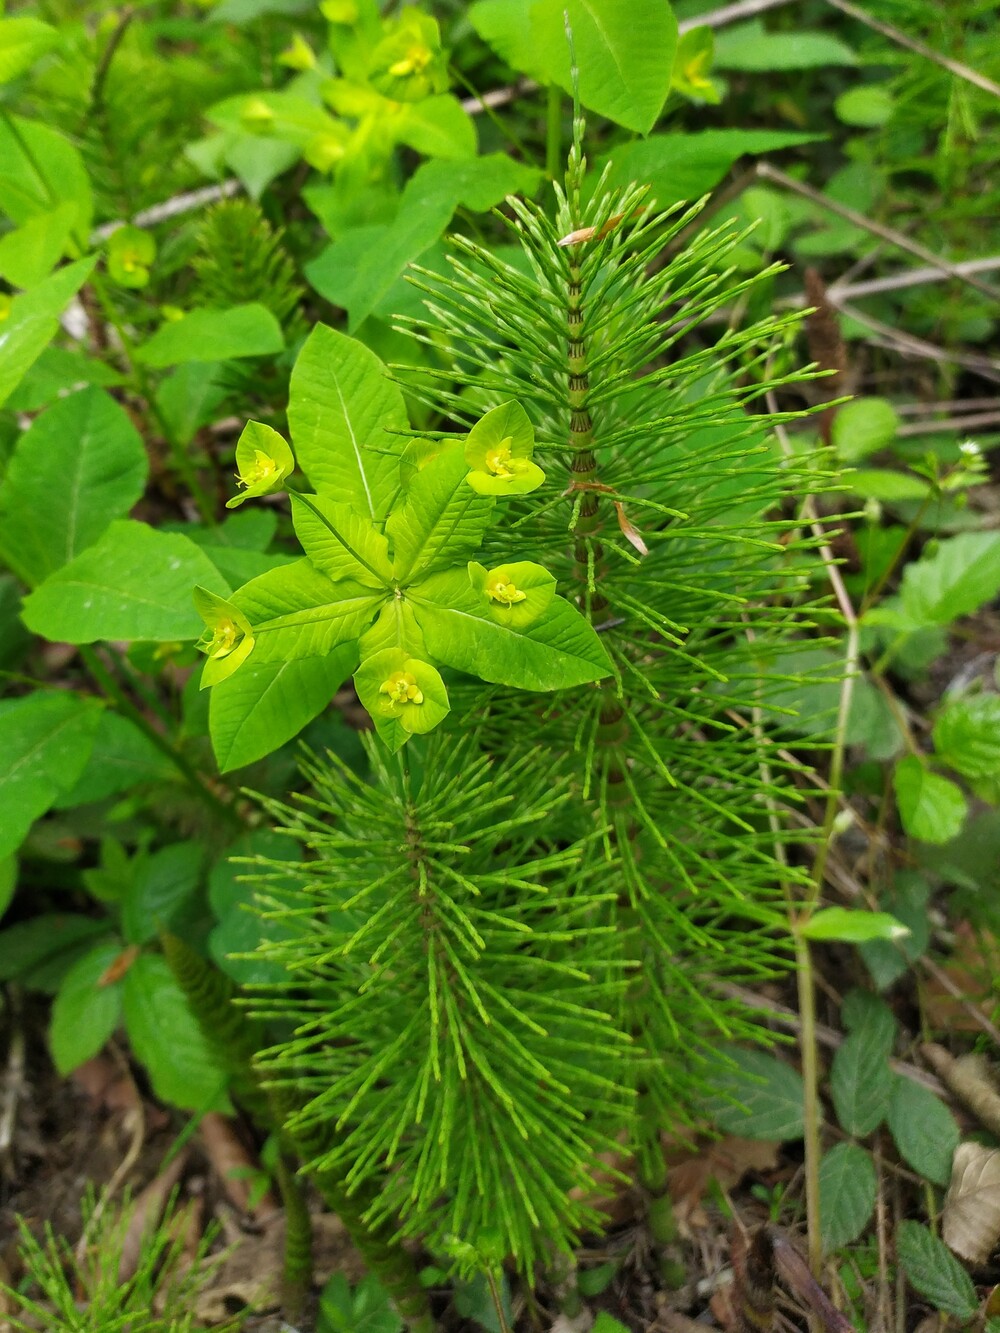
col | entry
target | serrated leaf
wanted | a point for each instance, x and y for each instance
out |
(45, 739)
(869, 1014)
(167, 1040)
(341, 411)
(934, 1271)
(932, 808)
(214, 335)
(907, 901)
(955, 580)
(85, 1014)
(924, 1130)
(861, 1085)
(559, 651)
(134, 583)
(79, 465)
(161, 883)
(847, 1188)
(967, 735)
(760, 1097)
(33, 318)
(266, 704)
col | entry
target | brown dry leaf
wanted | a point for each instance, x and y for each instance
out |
(970, 1079)
(629, 531)
(107, 1085)
(250, 1271)
(234, 1165)
(974, 963)
(117, 968)
(971, 1220)
(148, 1209)
(726, 1161)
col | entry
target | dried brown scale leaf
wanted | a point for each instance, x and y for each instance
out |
(968, 1077)
(970, 1223)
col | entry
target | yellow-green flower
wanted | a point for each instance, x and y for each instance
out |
(402, 688)
(264, 461)
(228, 638)
(515, 595)
(499, 450)
(130, 253)
(404, 695)
(408, 64)
(501, 587)
(298, 54)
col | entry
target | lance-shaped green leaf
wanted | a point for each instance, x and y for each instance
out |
(404, 695)
(340, 542)
(33, 317)
(515, 595)
(499, 449)
(228, 639)
(442, 521)
(558, 652)
(342, 408)
(298, 612)
(264, 462)
(268, 703)
(396, 627)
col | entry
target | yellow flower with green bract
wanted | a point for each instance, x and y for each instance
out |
(402, 688)
(499, 449)
(228, 638)
(515, 595)
(404, 695)
(264, 461)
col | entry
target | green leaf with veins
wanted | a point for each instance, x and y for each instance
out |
(558, 652)
(340, 542)
(342, 409)
(441, 521)
(296, 611)
(268, 703)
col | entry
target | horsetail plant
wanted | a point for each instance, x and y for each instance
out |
(506, 948)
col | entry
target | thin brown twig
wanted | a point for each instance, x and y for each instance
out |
(948, 405)
(765, 171)
(973, 422)
(844, 290)
(901, 38)
(906, 344)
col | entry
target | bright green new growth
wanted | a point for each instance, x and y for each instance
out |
(387, 578)
(521, 928)
(85, 1292)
